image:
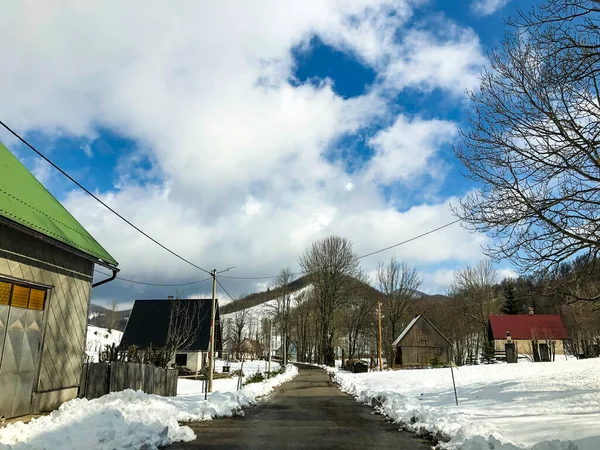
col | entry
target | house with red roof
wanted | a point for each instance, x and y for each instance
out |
(539, 336)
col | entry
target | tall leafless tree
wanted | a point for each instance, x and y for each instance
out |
(398, 281)
(184, 325)
(280, 310)
(239, 325)
(533, 144)
(331, 264)
(474, 288)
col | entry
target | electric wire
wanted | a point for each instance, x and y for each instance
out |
(83, 188)
(155, 284)
(222, 287)
(406, 241)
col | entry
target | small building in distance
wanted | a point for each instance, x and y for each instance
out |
(538, 336)
(420, 343)
(47, 264)
(165, 322)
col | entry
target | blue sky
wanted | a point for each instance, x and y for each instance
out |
(241, 139)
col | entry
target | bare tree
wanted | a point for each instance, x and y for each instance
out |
(534, 139)
(184, 325)
(240, 322)
(398, 282)
(280, 309)
(358, 318)
(331, 264)
(112, 316)
(473, 288)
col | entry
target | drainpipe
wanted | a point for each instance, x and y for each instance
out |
(108, 280)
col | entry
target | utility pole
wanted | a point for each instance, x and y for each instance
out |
(270, 340)
(379, 335)
(211, 344)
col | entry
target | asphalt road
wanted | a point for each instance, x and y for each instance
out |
(308, 412)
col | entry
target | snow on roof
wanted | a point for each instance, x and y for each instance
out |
(529, 326)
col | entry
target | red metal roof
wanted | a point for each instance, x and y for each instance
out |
(529, 326)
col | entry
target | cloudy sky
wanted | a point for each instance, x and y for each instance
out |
(237, 133)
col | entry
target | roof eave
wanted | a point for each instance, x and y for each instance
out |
(55, 242)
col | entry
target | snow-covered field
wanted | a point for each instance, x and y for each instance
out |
(187, 386)
(132, 419)
(501, 406)
(97, 340)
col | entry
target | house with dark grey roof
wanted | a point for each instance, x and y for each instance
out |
(181, 323)
(47, 264)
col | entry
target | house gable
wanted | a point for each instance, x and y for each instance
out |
(421, 332)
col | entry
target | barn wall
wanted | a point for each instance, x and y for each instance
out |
(421, 343)
(68, 276)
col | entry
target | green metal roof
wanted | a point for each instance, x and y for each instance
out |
(24, 200)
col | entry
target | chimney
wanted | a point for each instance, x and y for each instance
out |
(508, 338)
(169, 296)
(531, 311)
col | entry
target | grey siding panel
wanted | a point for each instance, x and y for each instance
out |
(66, 307)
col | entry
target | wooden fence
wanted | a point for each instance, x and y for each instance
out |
(98, 379)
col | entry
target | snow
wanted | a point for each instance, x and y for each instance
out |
(189, 386)
(538, 406)
(131, 419)
(97, 340)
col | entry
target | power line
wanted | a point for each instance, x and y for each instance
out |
(411, 239)
(14, 133)
(155, 284)
(219, 283)
(414, 238)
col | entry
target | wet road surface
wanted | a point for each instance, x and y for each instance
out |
(308, 412)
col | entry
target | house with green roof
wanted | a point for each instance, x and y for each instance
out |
(47, 261)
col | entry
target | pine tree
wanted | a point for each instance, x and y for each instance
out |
(488, 354)
(511, 304)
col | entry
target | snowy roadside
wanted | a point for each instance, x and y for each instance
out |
(538, 406)
(131, 419)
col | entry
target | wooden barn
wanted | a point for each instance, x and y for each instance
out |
(420, 342)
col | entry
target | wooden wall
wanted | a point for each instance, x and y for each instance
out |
(421, 343)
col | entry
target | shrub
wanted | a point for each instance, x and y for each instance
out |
(436, 362)
(258, 377)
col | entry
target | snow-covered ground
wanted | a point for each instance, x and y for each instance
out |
(131, 419)
(501, 406)
(97, 340)
(188, 386)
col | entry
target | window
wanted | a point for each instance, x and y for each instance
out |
(181, 359)
(22, 296)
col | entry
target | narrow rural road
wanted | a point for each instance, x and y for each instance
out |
(308, 412)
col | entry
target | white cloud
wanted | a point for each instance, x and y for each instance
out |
(87, 150)
(202, 87)
(450, 59)
(506, 272)
(405, 149)
(488, 7)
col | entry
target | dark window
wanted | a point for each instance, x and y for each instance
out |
(181, 359)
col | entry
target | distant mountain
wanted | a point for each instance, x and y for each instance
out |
(99, 316)
(259, 298)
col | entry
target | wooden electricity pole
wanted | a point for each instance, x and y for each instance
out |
(379, 335)
(211, 344)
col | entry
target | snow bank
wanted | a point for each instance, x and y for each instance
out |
(538, 406)
(130, 419)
